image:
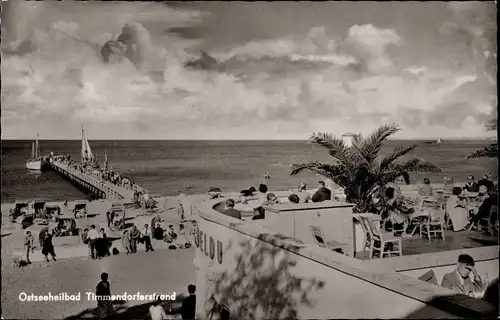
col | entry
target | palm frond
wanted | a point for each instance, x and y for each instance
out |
(417, 165)
(370, 147)
(336, 148)
(490, 151)
(396, 154)
(317, 166)
(491, 125)
(357, 138)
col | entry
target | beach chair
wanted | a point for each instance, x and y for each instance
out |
(321, 241)
(487, 224)
(433, 226)
(382, 242)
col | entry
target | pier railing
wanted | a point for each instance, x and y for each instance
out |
(109, 190)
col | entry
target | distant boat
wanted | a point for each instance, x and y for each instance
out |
(439, 141)
(36, 162)
(87, 156)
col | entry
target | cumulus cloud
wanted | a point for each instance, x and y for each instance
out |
(277, 88)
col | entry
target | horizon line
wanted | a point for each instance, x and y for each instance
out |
(236, 139)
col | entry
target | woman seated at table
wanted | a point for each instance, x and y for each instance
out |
(392, 209)
(482, 194)
(426, 189)
(456, 210)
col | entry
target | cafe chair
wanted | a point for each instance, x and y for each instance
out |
(382, 242)
(433, 226)
(319, 238)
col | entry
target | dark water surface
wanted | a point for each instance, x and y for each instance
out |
(172, 167)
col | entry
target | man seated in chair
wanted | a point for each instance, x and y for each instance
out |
(484, 210)
(323, 193)
(460, 281)
(230, 210)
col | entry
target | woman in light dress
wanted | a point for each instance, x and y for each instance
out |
(456, 210)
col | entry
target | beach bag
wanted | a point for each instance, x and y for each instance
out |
(115, 251)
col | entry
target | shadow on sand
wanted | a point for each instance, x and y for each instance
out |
(122, 311)
(264, 285)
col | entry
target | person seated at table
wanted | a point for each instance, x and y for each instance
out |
(448, 185)
(230, 210)
(392, 209)
(471, 185)
(262, 194)
(426, 189)
(293, 198)
(483, 193)
(459, 280)
(302, 193)
(272, 199)
(323, 193)
(484, 209)
(486, 181)
(456, 210)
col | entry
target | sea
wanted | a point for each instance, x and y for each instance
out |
(168, 167)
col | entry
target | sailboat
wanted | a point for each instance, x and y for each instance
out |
(87, 156)
(439, 140)
(36, 162)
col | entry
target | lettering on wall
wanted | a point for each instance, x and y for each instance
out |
(209, 246)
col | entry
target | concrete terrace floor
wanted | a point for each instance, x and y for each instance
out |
(453, 241)
(161, 271)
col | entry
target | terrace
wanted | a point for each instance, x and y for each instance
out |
(319, 231)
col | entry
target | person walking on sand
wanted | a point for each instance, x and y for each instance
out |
(156, 311)
(103, 295)
(29, 245)
(92, 236)
(146, 236)
(48, 247)
(134, 237)
(188, 310)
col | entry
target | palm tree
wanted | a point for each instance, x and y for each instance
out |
(359, 169)
(490, 151)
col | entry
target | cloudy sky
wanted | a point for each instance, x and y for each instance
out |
(283, 71)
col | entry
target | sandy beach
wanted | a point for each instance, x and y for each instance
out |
(163, 270)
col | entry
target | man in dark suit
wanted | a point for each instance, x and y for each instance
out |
(230, 210)
(322, 194)
(459, 280)
(188, 310)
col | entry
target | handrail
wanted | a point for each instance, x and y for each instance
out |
(110, 191)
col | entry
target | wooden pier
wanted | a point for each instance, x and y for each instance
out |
(93, 184)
